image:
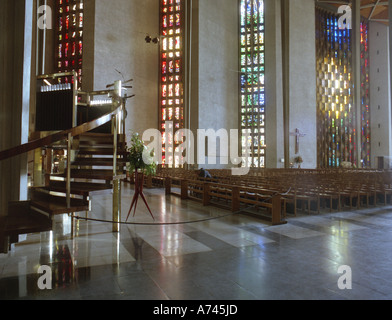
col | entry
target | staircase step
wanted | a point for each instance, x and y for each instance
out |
(80, 188)
(22, 220)
(52, 205)
(89, 136)
(101, 151)
(97, 139)
(92, 174)
(58, 205)
(4, 243)
(100, 144)
(101, 162)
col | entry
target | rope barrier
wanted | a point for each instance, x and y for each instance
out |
(177, 223)
(162, 223)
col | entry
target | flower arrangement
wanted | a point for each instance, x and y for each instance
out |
(298, 160)
(139, 160)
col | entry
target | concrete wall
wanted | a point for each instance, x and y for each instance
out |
(380, 98)
(120, 29)
(218, 61)
(273, 85)
(299, 73)
(302, 68)
(16, 23)
(114, 39)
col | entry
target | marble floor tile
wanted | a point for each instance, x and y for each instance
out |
(169, 242)
(294, 232)
(333, 225)
(363, 218)
(233, 236)
(192, 252)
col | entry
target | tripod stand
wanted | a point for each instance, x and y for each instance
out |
(139, 182)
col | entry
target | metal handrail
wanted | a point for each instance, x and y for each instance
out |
(60, 136)
(118, 109)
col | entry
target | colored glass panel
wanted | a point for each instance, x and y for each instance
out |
(69, 46)
(337, 132)
(365, 97)
(172, 70)
(252, 80)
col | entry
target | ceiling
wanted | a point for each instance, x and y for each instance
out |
(374, 10)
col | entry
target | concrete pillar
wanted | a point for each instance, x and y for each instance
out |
(380, 94)
(356, 70)
(88, 70)
(390, 70)
(16, 30)
(192, 72)
(218, 59)
(274, 85)
(291, 82)
(285, 20)
(302, 81)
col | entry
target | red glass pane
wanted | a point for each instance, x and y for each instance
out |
(69, 37)
(171, 99)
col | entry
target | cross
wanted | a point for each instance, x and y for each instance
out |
(298, 135)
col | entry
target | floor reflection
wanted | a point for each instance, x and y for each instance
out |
(63, 272)
(237, 257)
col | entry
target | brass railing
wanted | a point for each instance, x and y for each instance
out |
(117, 118)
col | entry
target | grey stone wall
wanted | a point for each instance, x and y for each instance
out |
(120, 28)
(16, 24)
(380, 107)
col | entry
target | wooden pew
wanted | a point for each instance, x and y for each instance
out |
(235, 198)
(310, 190)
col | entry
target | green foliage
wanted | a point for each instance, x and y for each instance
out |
(135, 157)
(298, 160)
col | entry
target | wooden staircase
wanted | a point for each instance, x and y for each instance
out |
(91, 175)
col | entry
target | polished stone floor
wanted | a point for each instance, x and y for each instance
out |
(237, 257)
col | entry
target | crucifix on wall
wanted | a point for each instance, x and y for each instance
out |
(297, 134)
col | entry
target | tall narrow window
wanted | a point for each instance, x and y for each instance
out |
(252, 101)
(336, 113)
(338, 130)
(365, 96)
(172, 16)
(69, 38)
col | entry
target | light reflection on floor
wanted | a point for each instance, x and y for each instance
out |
(236, 257)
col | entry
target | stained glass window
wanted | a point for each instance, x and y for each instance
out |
(337, 128)
(336, 112)
(365, 96)
(69, 38)
(171, 99)
(252, 102)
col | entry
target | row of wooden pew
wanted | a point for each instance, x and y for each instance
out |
(276, 193)
(263, 203)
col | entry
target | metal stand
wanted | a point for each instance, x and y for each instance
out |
(139, 181)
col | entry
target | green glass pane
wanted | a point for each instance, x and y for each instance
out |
(250, 101)
(243, 60)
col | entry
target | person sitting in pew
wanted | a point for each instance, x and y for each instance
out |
(204, 174)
